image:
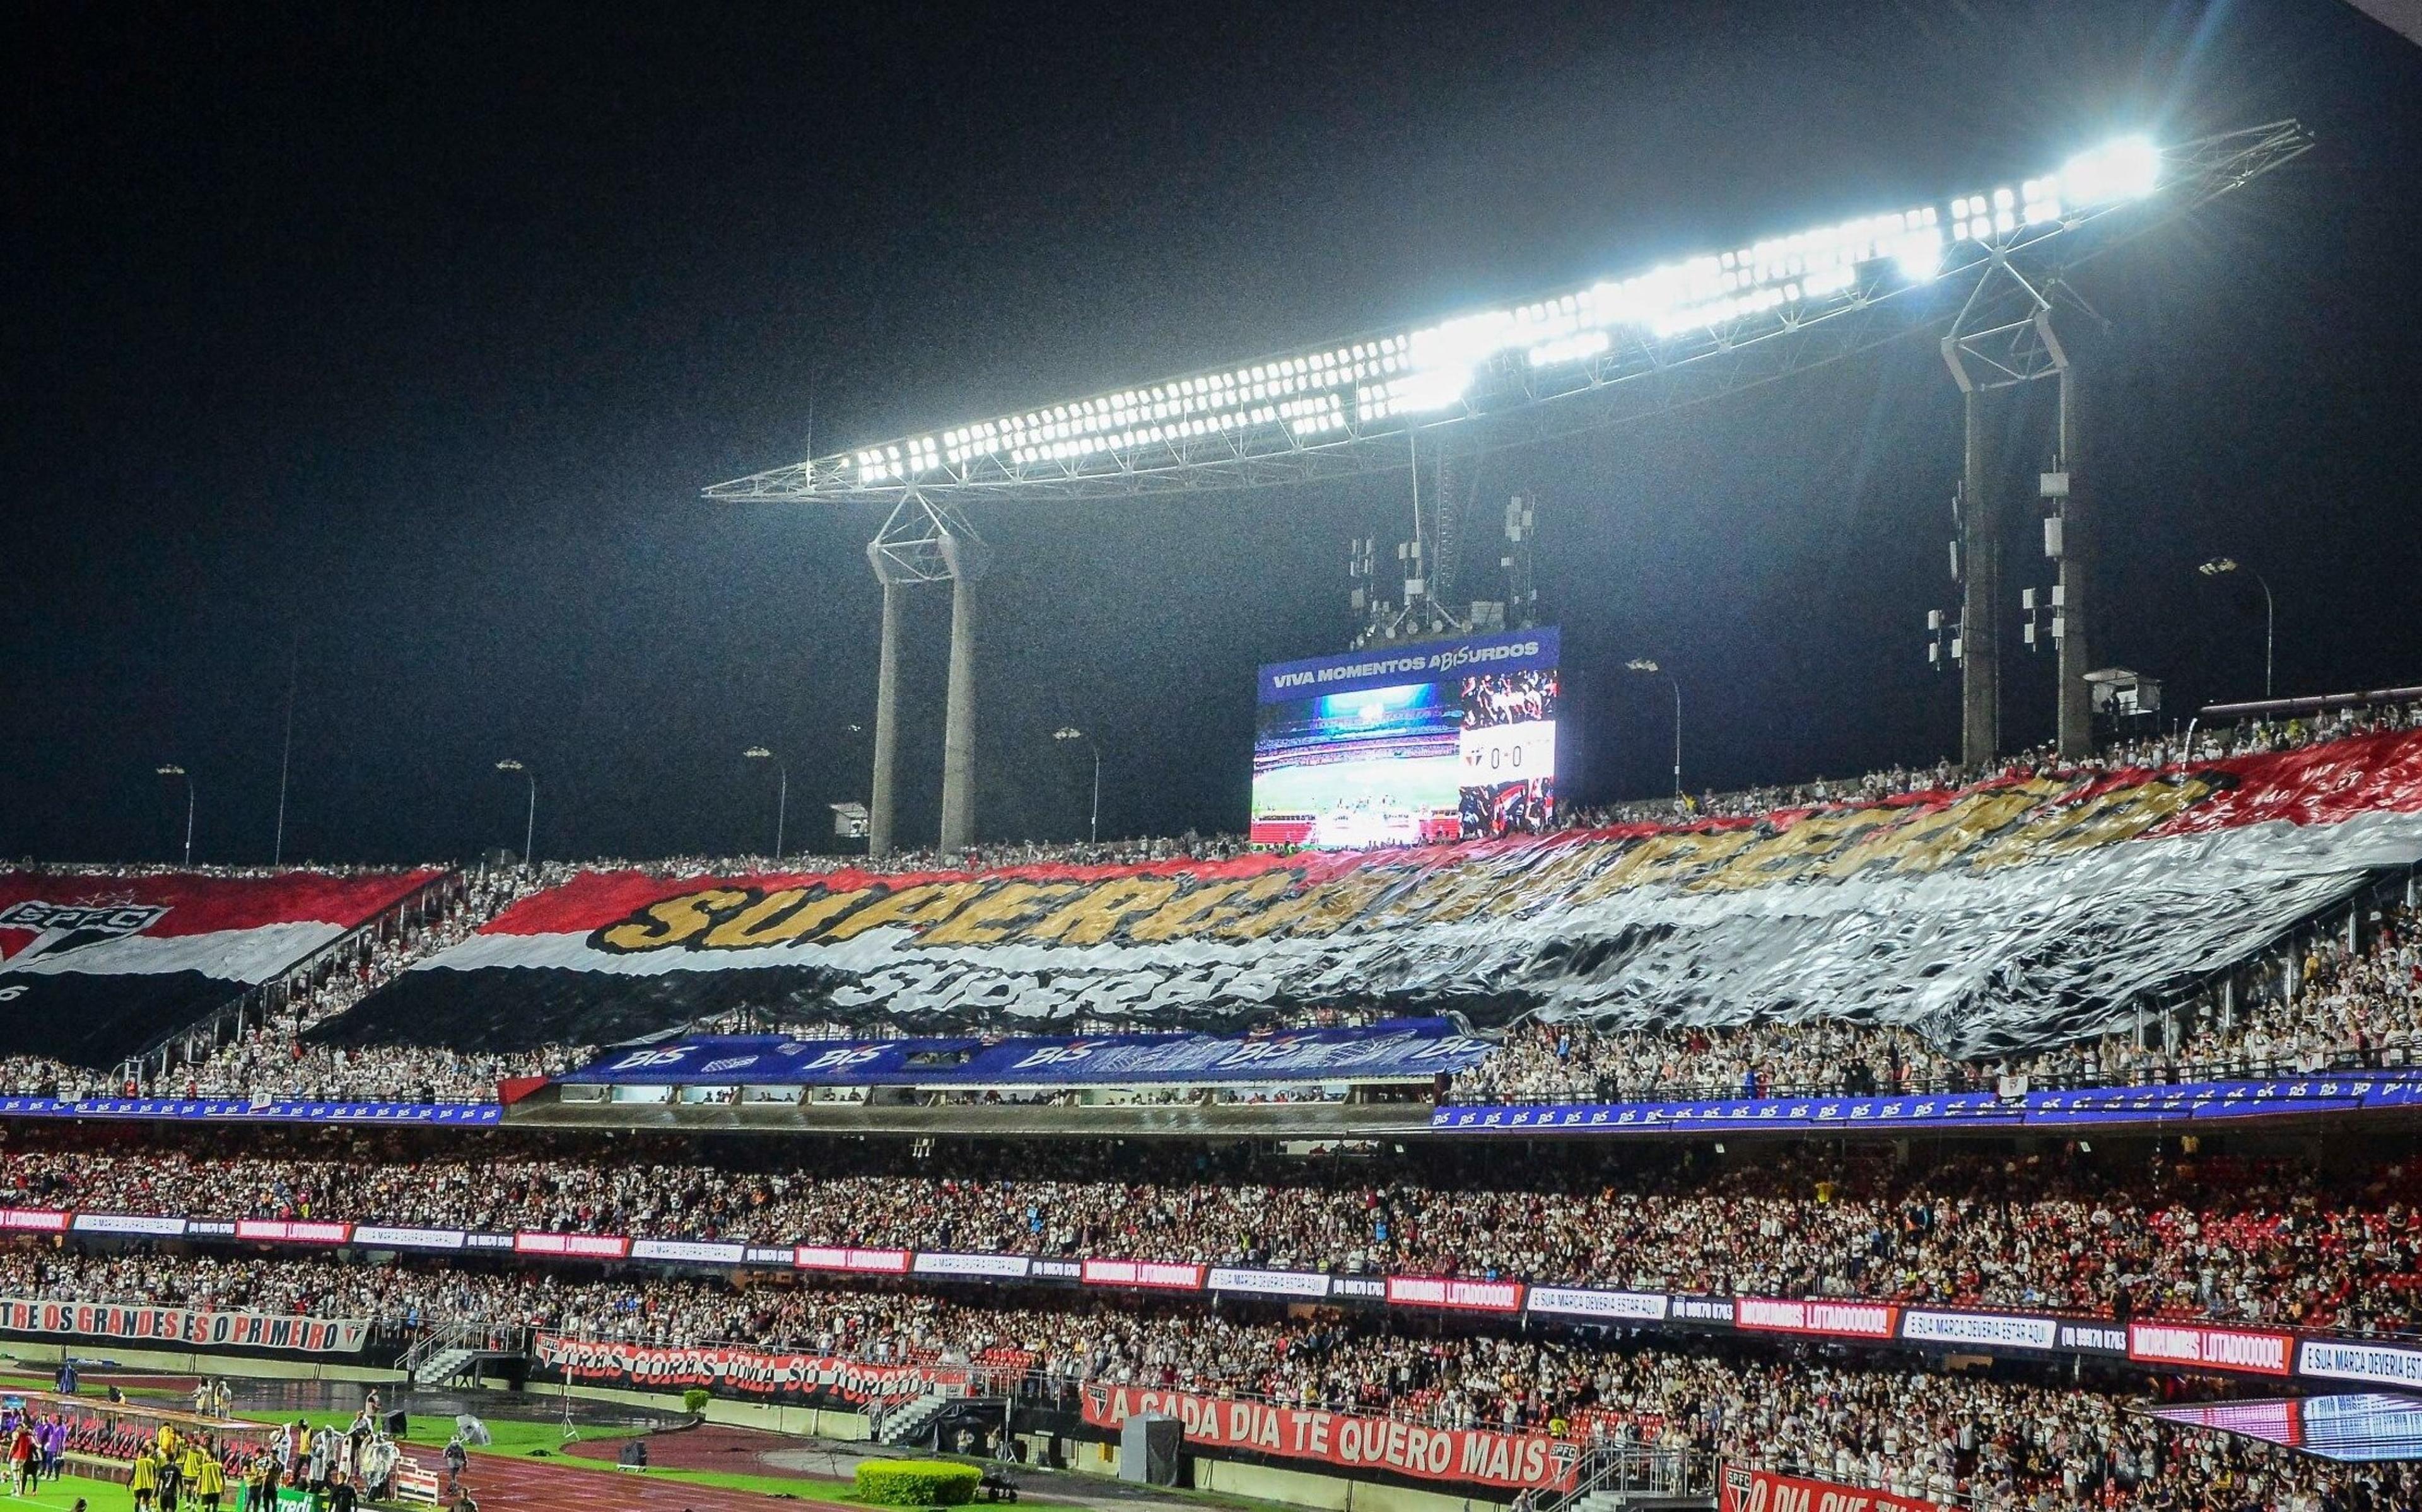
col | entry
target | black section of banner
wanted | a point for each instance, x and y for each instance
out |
(97, 1020)
(507, 1008)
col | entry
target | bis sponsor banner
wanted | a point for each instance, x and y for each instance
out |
(2261, 1351)
(179, 1325)
(1400, 1050)
(94, 967)
(1478, 1456)
(2054, 906)
(805, 1378)
(2399, 1091)
(1763, 1490)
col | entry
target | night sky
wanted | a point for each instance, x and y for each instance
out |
(408, 339)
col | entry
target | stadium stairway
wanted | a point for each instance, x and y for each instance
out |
(906, 1424)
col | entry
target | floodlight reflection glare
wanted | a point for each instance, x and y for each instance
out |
(1433, 369)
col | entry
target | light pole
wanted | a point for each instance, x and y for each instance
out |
(2219, 565)
(782, 792)
(1093, 824)
(530, 820)
(172, 769)
(1647, 668)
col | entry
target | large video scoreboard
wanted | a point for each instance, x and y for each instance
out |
(1408, 744)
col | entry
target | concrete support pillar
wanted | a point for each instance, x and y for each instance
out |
(2076, 561)
(879, 808)
(1980, 607)
(959, 722)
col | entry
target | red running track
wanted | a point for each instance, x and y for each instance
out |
(499, 1484)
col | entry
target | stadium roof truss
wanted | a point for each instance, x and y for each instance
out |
(1618, 350)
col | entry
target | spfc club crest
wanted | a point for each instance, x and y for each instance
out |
(56, 928)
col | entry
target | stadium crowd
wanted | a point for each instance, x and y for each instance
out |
(1996, 1445)
(2216, 1238)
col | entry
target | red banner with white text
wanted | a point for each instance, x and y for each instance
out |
(1763, 1490)
(1467, 1455)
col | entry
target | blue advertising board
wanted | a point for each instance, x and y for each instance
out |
(1394, 1050)
(2358, 1092)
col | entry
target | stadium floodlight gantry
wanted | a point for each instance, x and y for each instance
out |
(1985, 267)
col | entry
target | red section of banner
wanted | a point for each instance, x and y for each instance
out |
(1763, 1490)
(837, 1257)
(576, 1246)
(1144, 1273)
(1443, 1291)
(2259, 1352)
(1465, 1455)
(2324, 784)
(1838, 1319)
(513, 1088)
(280, 1232)
(205, 905)
(38, 1220)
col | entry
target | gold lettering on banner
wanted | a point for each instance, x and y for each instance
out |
(1316, 912)
(990, 919)
(1795, 852)
(2120, 813)
(1201, 909)
(1967, 826)
(1093, 918)
(672, 921)
(780, 917)
(924, 903)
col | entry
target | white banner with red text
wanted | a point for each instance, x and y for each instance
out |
(803, 1378)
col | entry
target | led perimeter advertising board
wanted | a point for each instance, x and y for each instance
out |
(1408, 744)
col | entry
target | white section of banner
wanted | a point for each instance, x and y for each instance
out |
(247, 956)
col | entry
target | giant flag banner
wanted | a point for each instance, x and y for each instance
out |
(2009, 914)
(94, 967)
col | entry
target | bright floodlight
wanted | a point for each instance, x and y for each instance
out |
(509, 764)
(2217, 565)
(1307, 413)
(1641, 663)
(172, 769)
(757, 753)
(1431, 369)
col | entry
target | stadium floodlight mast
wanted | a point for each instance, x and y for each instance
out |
(1093, 821)
(781, 792)
(2220, 564)
(1647, 668)
(1692, 329)
(170, 769)
(1312, 413)
(530, 819)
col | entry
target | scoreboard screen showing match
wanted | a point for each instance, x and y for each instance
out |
(1408, 744)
